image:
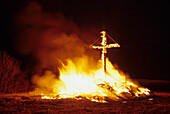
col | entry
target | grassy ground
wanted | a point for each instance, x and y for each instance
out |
(24, 103)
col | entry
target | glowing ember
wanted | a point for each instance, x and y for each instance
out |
(48, 97)
(77, 80)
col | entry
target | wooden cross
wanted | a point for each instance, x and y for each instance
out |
(104, 47)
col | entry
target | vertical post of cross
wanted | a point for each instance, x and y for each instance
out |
(104, 50)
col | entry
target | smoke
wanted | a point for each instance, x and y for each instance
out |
(49, 37)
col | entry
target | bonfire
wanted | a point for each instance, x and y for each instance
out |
(78, 81)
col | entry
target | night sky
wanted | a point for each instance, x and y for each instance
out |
(140, 27)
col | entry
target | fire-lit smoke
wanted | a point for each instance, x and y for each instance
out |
(47, 37)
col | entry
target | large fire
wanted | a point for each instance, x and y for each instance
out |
(78, 80)
(95, 85)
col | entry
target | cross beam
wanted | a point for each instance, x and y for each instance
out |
(104, 47)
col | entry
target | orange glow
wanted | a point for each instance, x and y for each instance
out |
(48, 97)
(76, 81)
(79, 80)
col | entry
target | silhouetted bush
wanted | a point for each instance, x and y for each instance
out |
(12, 80)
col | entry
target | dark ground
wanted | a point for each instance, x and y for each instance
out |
(22, 103)
(28, 103)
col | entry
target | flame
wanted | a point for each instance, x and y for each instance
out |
(78, 80)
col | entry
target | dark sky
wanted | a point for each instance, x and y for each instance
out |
(141, 28)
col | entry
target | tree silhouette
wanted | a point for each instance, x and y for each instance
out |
(12, 80)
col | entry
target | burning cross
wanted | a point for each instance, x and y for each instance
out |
(104, 47)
